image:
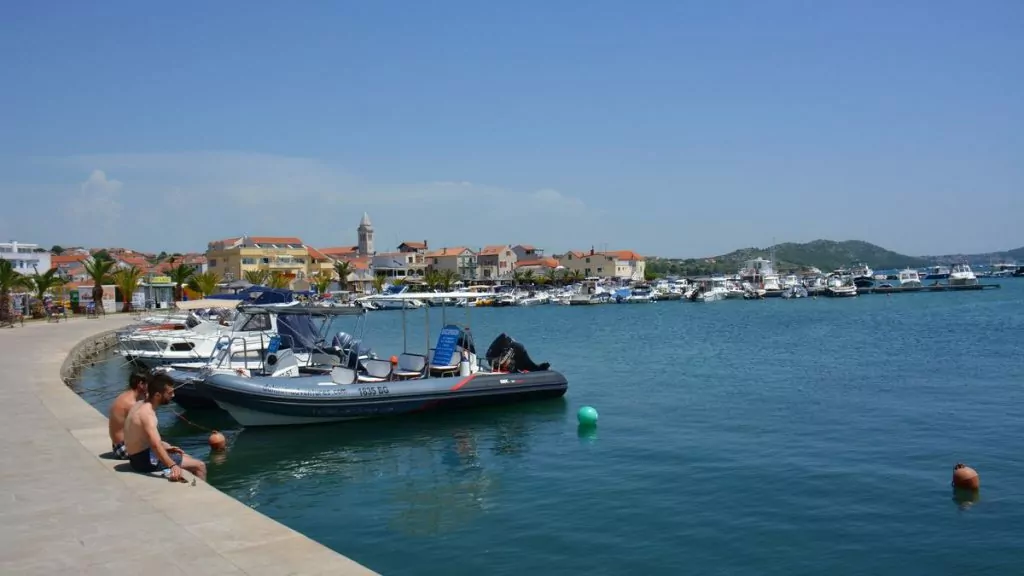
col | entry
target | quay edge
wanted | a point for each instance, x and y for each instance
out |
(69, 509)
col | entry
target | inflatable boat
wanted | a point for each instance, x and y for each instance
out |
(410, 383)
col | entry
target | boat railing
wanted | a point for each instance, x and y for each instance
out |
(224, 349)
(158, 348)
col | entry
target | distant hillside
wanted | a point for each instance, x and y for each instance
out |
(1009, 256)
(824, 254)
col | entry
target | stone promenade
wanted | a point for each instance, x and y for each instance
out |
(64, 510)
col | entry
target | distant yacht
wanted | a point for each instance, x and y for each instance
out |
(962, 275)
(910, 278)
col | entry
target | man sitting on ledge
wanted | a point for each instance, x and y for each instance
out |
(135, 393)
(146, 451)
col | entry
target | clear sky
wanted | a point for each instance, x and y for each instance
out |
(672, 128)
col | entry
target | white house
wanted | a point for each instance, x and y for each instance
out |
(25, 258)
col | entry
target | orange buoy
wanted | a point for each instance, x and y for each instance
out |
(217, 441)
(965, 477)
(394, 359)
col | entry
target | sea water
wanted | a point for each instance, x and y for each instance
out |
(805, 436)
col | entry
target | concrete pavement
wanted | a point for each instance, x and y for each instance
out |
(66, 510)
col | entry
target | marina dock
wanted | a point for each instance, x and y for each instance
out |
(67, 509)
(907, 289)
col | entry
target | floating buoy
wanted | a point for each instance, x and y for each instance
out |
(217, 441)
(965, 477)
(587, 416)
(394, 360)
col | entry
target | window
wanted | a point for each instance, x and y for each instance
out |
(251, 261)
(213, 262)
(256, 323)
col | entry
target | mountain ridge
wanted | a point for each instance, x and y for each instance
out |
(824, 254)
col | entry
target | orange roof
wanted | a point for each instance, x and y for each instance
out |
(314, 253)
(526, 247)
(361, 263)
(339, 250)
(539, 262)
(493, 250)
(622, 254)
(416, 245)
(576, 253)
(227, 241)
(453, 251)
(56, 261)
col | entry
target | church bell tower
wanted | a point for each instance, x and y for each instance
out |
(365, 236)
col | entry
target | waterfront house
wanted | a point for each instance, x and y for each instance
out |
(25, 258)
(539, 266)
(612, 264)
(495, 262)
(233, 257)
(527, 252)
(458, 259)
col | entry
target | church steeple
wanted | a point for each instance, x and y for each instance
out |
(365, 236)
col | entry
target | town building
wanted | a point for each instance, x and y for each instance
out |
(495, 263)
(365, 232)
(527, 252)
(231, 258)
(538, 265)
(25, 258)
(458, 259)
(618, 264)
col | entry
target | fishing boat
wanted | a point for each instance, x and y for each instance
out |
(449, 375)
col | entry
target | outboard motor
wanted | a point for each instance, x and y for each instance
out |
(507, 355)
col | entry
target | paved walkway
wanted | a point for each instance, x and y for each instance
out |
(64, 510)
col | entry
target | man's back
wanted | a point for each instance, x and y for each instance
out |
(118, 413)
(136, 439)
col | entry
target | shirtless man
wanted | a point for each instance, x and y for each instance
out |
(146, 452)
(136, 392)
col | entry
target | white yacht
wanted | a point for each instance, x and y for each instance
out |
(962, 275)
(910, 278)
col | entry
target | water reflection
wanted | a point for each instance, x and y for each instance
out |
(434, 473)
(965, 498)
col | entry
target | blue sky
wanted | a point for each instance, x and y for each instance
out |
(670, 128)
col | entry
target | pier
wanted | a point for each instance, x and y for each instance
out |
(66, 509)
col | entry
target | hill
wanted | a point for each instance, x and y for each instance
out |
(824, 254)
(1008, 256)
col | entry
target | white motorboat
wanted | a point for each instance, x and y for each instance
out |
(962, 275)
(910, 278)
(838, 285)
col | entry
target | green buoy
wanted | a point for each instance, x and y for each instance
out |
(587, 416)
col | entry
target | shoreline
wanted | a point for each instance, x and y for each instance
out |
(70, 508)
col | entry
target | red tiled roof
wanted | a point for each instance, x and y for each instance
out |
(339, 250)
(539, 262)
(314, 253)
(415, 245)
(622, 254)
(493, 250)
(453, 251)
(56, 261)
(526, 247)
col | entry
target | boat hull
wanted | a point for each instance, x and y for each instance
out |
(265, 401)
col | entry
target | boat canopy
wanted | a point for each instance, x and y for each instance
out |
(427, 295)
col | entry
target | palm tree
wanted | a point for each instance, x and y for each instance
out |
(205, 283)
(42, 283)
(322, 280)
(10, 280)
(378, 282)
(432, 279)
(447, 278)
(180, 275)
(342, 268)
(99, 271)
(257, 277)
(127, 280)
(552, 275)
(528, 276)
(279, 280)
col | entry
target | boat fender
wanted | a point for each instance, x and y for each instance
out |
(271, 359)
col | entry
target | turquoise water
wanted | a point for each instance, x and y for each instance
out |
(768, 437)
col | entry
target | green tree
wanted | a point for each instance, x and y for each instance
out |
(56, 250)
(127, 281)
(99, 271)
(279, 280)
(10, 280)
(342, 269)
(257, 277)
(205, 283)
(180, 276)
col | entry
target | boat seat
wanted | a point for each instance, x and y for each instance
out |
(376, 370)
(342, 375)
(410, 366)
(445, 369)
